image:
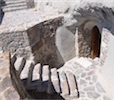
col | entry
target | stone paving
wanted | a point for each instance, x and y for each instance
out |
(89, 87)
(7, 91)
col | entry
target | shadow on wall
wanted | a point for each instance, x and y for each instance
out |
(42, 42)
(40, 89)
(52, 43)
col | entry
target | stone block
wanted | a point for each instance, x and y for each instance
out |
(30, 75)
(19, 64)
(25, 71)
(45, 73)
(100, 88)
(63, 84)
(93, 95)
(50, 89)
(55, 80)
(36, 72)
(45, 79)
(72, 84)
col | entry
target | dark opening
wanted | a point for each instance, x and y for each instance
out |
(96, 42)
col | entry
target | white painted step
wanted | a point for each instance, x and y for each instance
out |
(36, 72)
(34, 77)
(63, 84)
(19, 64)
(45, 73)
(25, 71)
(72, 84)
(14, 9)
(84, 62)
(55, 80)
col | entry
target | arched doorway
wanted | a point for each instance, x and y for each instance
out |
(96, 42)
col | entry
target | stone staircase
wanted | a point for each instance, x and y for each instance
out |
(13, 5)
(41, 79)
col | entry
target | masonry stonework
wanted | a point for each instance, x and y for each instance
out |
(42, 41)
(84, 43)
(104, 46)
(15, 42)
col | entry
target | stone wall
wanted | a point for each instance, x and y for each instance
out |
(42, 42)
(15, 42)
(84, 43)
(104, 46)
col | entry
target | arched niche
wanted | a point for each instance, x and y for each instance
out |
(95, 43)
(89, 40)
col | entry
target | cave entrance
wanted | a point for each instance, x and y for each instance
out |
(96, 42)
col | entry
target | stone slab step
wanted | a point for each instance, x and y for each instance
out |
(45, 78)
(63, 84)
(15, 5)
(12, 2)
(19, 64)
(36, 72)
(55, 80)
(30, 74)
(25, 71)
(53, 84)
(72, 84)
(45, 73)
(14, 9)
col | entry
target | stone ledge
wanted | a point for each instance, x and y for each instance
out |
(25, 26)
